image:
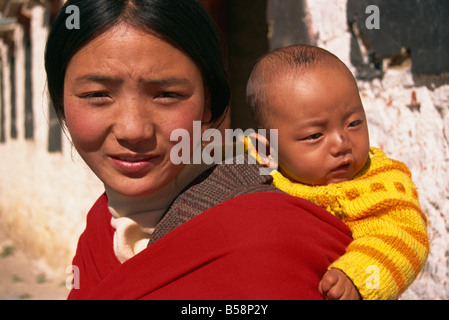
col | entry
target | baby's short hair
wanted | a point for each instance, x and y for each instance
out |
(296, 58)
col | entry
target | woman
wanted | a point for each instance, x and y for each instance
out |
(134, 72)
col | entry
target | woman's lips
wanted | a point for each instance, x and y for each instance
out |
(132, 164)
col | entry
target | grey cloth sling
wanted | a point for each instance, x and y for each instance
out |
(214, 186)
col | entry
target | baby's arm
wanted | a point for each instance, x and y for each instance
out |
(390, 243)
(335, 285)
(388, 252)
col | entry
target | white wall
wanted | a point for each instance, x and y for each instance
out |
(44, 197)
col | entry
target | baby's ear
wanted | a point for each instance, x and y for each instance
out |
(264, 152)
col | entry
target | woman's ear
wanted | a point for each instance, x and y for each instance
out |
(207, 112)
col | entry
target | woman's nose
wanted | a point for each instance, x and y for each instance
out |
(133, 123)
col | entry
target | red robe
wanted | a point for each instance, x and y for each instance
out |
(266, 246)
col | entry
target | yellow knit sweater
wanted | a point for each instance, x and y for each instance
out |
(381, 208)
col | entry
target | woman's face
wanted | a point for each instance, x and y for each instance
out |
(124, 93)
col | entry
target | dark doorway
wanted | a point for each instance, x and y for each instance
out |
(243, 27)
(247, 30)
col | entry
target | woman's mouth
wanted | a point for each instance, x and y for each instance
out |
(131, 164)
(131, 159)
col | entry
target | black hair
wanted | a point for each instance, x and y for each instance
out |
(185, 24)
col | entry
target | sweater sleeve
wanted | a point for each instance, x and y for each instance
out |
(390, 243)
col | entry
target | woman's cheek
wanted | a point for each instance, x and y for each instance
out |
(189, 121)
(86, 128)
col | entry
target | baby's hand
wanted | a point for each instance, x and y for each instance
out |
(335, 285)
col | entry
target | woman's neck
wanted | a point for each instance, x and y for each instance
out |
(125, 206)
(134, 218)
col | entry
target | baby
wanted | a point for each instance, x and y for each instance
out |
(324, 156)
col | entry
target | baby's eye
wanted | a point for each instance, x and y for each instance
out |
(355, 123)
(314, 136)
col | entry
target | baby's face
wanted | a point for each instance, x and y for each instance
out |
(323, 133)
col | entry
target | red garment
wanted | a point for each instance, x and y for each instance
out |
(256, 246)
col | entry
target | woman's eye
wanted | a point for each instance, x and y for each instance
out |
(168, 95)
(96, 97)
(168, 98)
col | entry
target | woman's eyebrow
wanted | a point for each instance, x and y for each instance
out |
(169, 81)
(96, 78)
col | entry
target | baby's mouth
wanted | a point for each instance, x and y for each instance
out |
(343, 168)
